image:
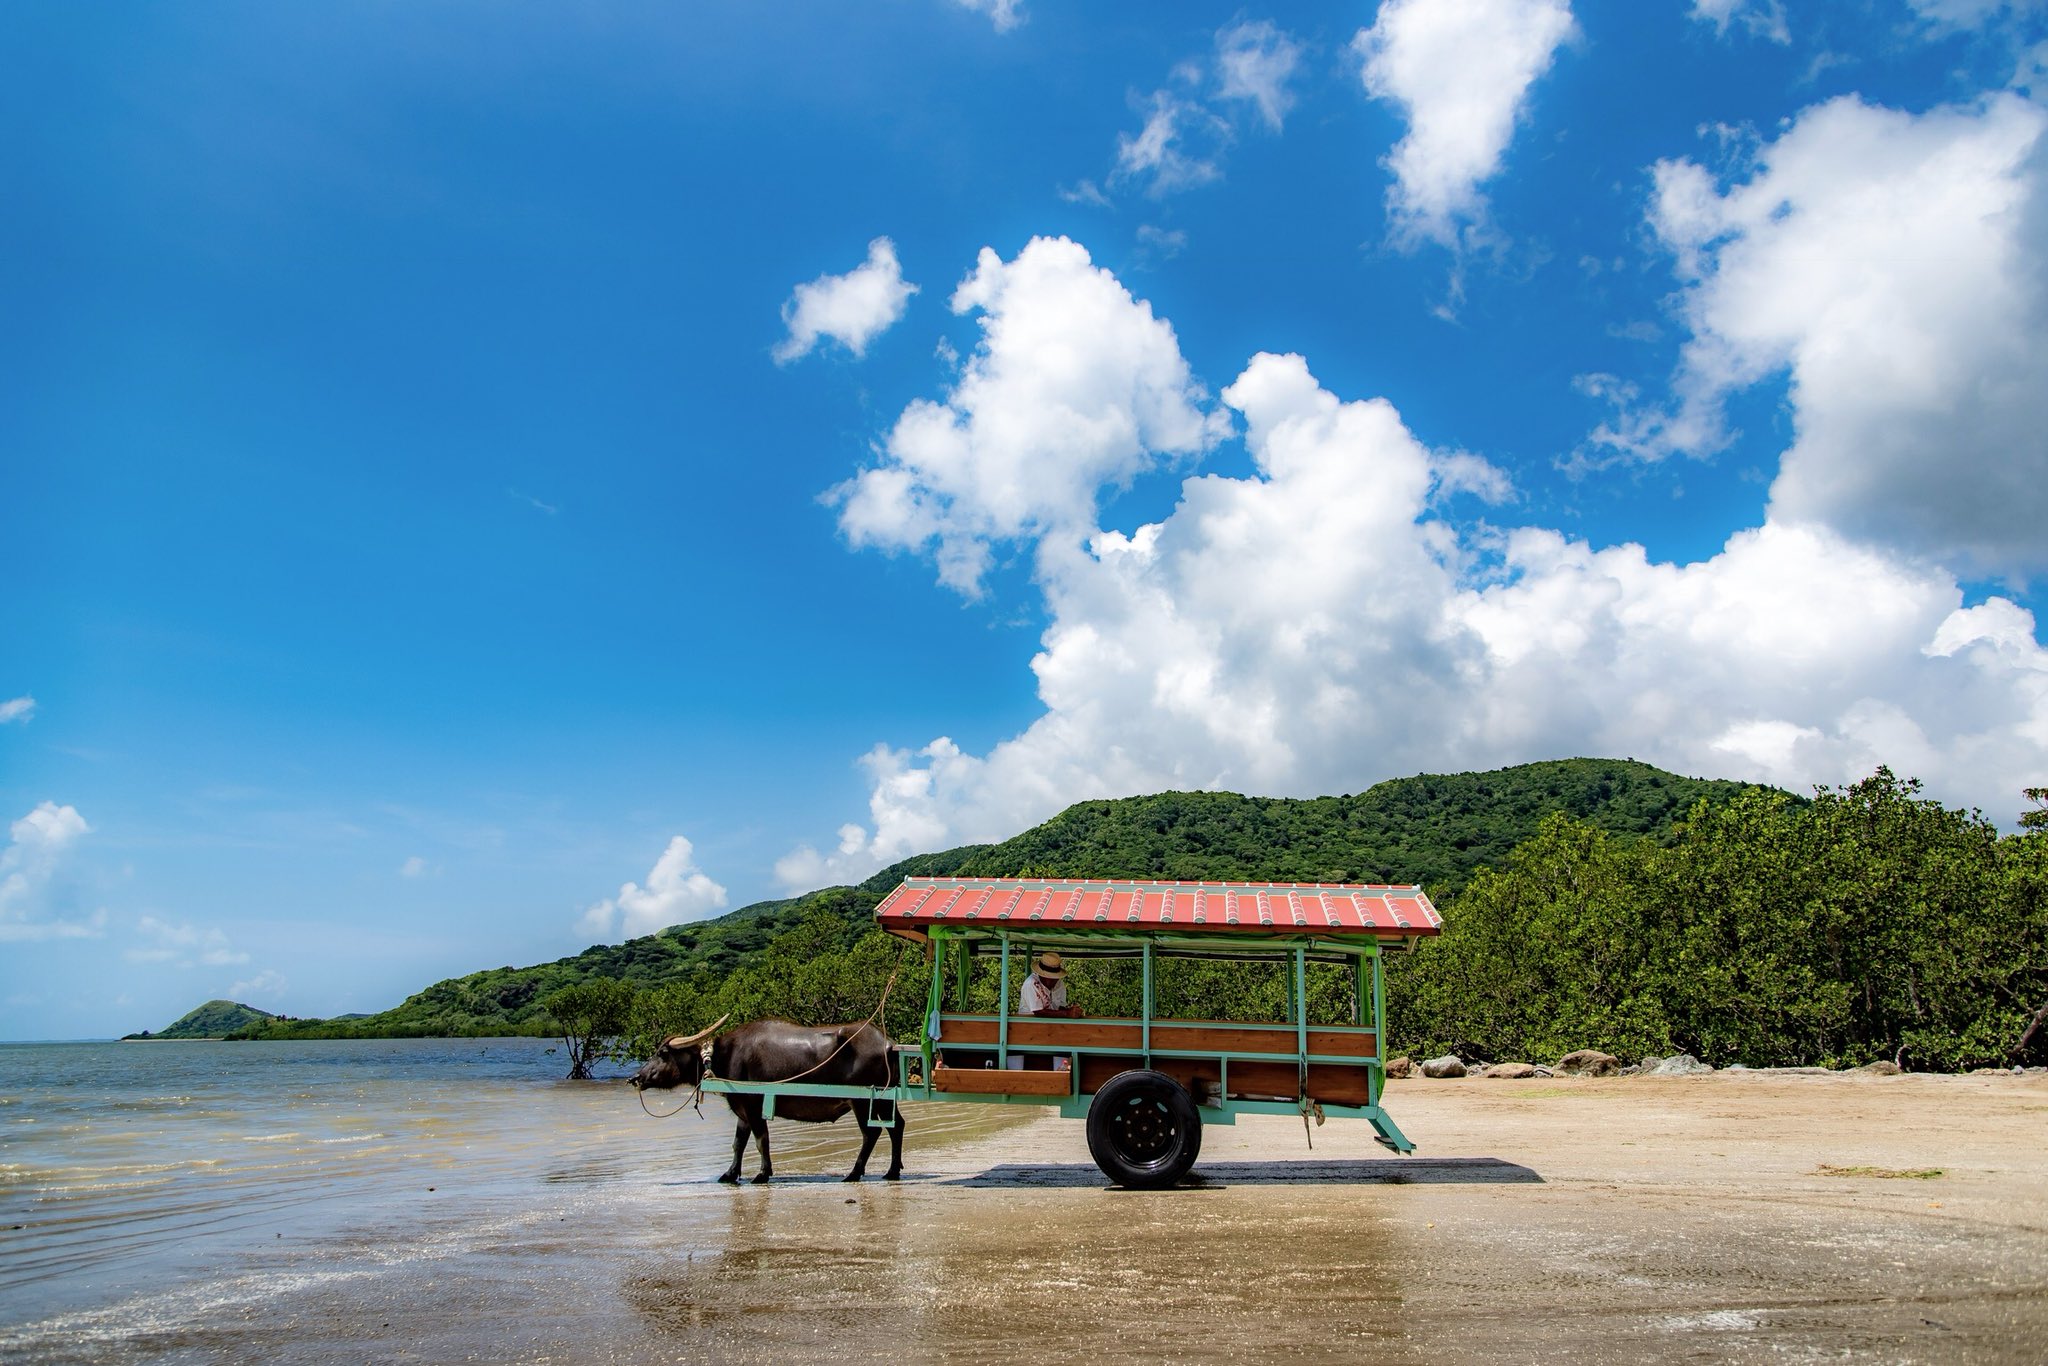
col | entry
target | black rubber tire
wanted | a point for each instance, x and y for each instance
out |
(1143, 1130)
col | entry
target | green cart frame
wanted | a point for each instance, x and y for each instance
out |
(1145, 1085)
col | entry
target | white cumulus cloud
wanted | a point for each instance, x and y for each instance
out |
(677, 890)
(30, 906)
(1075, 387)
(1460, 72)
(1342, 614)
(1894, 268)
(851, 309)
(17, 709)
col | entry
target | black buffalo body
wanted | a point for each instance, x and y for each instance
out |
(776, 1050)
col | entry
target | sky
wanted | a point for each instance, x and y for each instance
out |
(482, 480)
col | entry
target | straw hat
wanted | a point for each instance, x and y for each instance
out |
(1048, 965)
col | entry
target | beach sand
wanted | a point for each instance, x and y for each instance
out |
(1727, 1217)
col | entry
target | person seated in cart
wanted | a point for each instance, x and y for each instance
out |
(1045, 991)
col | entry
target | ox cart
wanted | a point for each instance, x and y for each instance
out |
(1144, 1082)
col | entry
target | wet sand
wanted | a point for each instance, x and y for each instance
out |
(1618, 1220)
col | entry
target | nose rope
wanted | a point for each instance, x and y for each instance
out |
(663, 1114)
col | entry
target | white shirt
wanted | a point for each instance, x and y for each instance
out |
(1035, 995)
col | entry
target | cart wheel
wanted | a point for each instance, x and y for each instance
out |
(1143, 1130)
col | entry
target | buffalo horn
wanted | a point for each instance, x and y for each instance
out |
(699, 1037)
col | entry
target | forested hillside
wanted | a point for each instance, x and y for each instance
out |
(1432, 829)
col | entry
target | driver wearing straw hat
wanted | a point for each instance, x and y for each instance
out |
(1045, 990)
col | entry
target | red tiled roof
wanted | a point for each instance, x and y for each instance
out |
(1335, 910)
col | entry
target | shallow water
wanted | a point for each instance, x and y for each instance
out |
(144, 1181)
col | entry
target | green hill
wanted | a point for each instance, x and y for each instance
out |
(1433, 829)
(214, 1020)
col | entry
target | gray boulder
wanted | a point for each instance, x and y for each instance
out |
(1588, 1062)
(1684, 1065)
(1446, 1066)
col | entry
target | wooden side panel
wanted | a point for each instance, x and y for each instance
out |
(1000, 1081)
(1333, 1082)
(1198, 1075)
(1192, 1036)
(1045, 1033)
(972, 1041)
(1207, 1037)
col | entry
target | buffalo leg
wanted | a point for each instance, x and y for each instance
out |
(761, 1141)
(731, 1175)
(864, 1116)
(895, 1172)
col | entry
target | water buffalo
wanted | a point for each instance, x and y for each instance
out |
(776, 1050)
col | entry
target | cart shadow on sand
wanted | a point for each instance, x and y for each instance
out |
(1394, 1171)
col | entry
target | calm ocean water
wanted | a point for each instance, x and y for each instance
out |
(138, 1177)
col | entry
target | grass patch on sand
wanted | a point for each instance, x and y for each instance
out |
(1881, 1173)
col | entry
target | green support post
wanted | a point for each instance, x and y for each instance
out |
(960, 971)
(1003, 1005)
(1379, 1005)
(1145, 1011)
(1301, 1006)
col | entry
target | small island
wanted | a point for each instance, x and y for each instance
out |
(214, 1020)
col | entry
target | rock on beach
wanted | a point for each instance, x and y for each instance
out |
(1683, 1065)
(1588, 1062)
(1446, 1066)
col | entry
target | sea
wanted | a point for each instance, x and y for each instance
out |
(152, 1191)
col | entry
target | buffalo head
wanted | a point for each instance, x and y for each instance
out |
(677, 1061)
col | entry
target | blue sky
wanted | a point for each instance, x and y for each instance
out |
(481, 480)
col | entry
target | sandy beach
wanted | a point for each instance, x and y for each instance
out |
(1725, 1217)
(1721, 1217)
